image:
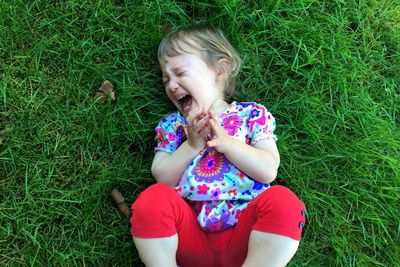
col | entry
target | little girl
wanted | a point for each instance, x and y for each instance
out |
(213, 204)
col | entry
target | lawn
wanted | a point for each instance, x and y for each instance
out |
(329, 71)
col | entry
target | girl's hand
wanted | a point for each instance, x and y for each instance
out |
(198, 128)
(220, 140)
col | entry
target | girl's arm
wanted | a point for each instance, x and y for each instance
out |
(260, 161)
(168, 168)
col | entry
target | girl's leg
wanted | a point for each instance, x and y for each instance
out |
(272, 250)
(268, 230)
(165, 230)
(156, 252)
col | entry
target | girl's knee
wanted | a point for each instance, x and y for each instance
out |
(153, 212)
(280, 190)
(155, 198)
(280, 211)
(280, 196)
(159, 189)
(155, 193)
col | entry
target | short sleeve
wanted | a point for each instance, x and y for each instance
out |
(261, 124)
(169, 133)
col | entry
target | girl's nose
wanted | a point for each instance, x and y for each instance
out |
(172, 85)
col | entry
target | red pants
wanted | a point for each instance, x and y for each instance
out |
(160, 212)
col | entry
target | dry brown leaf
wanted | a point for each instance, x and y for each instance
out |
(120, 202)
(105, 93)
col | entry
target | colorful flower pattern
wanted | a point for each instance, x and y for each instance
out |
(202, 189)
(210, 178)
(211, 167)
(231, 123)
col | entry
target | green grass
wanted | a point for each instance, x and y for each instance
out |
(328, 70)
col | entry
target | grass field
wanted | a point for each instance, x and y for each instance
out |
(328, 70)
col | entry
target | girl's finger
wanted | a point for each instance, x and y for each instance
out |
(193, 114)
(213, 115)
(204, 120)
(201, 124)
(203, 111)
(211, 143)
(214, 125)
(206, 132)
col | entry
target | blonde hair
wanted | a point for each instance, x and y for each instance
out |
(211, 43)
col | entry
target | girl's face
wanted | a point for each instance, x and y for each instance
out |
(190, 83)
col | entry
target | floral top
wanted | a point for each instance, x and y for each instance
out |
(213, 185)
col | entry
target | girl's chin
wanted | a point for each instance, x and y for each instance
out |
(185, 111)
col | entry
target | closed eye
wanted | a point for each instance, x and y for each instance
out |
(165, 79)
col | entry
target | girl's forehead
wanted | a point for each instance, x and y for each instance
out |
(181, 60)
(178, 48)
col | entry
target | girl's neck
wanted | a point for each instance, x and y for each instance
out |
(219, 106)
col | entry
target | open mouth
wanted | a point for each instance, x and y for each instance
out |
(185, 102)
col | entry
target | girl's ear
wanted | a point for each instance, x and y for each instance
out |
(223, 69)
